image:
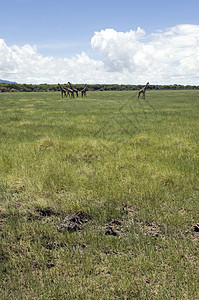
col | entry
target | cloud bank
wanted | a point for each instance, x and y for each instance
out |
(164, 57)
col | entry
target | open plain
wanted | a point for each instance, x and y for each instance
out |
(99, 197)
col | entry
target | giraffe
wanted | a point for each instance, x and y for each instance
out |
(83, 91)
(63, 91)
(143, 90)
(70, 92)
(74, 89)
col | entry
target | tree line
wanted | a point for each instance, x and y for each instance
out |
(15, 87)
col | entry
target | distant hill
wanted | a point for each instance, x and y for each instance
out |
(6, 81)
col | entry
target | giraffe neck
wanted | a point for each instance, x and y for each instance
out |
(61, 88)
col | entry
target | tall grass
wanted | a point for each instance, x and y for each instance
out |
(130, 165)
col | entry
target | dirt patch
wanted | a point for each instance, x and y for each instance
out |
(151, 229)
(74, 222)
(196, 228)
(147, 228)
(46, 212)
(109, 230)
(195, 234)
(40, 213)
(114, 227)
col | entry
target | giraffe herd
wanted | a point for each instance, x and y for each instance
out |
(71, 90)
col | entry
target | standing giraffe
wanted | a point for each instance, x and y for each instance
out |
(143, 90)
(84, 91)
(70, 92)
(74, 89)
(63, 91)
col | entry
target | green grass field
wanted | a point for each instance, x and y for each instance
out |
(99, 196)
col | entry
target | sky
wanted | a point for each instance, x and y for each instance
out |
(100, 41)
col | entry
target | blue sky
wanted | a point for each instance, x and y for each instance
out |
(78, 32)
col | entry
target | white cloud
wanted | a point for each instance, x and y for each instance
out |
(165, 57)
(117, 48)
(170, 56)
(26, 65)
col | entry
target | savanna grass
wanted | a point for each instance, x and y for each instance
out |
(129, 165)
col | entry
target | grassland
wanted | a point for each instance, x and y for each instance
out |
(99, 196)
